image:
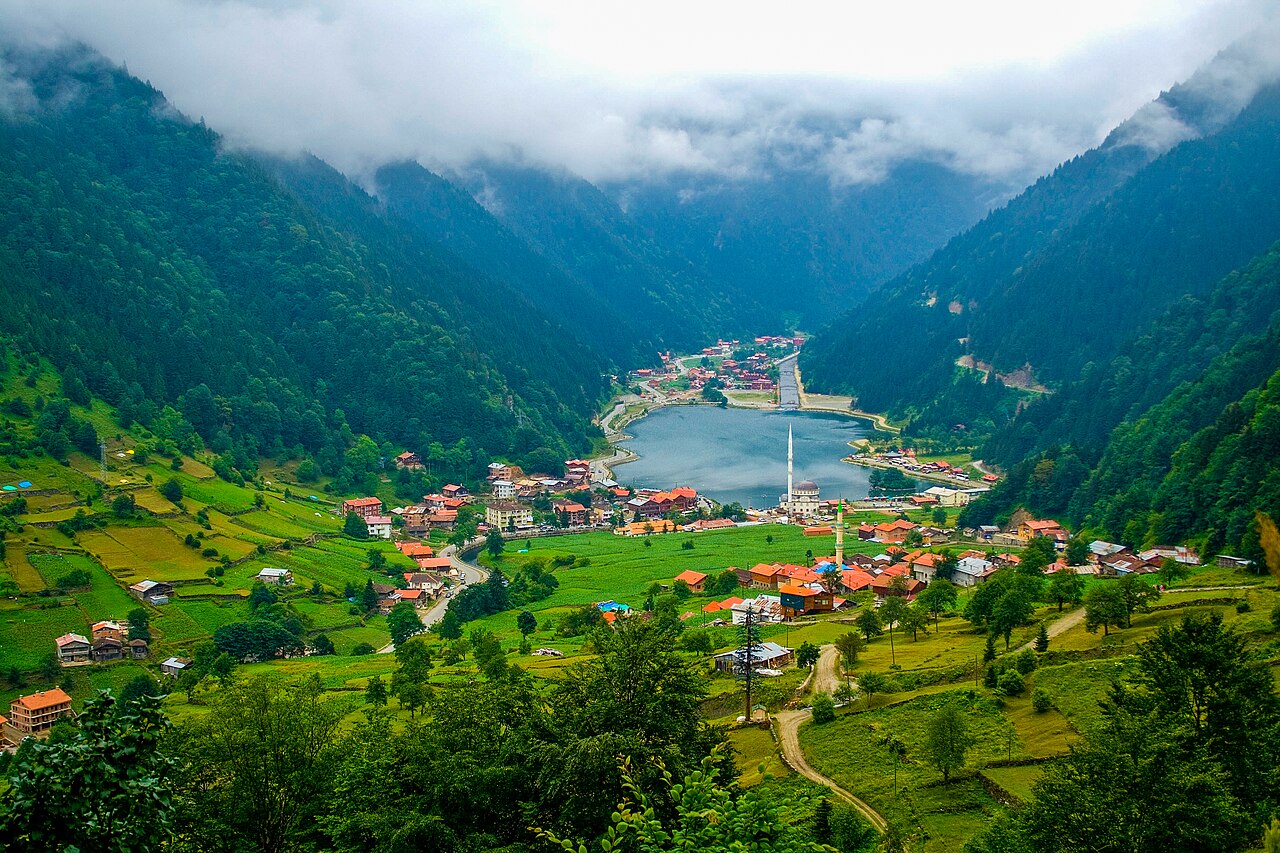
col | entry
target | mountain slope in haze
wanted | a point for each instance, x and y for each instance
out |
(1065, 272)
(168, 272)
(441, 211)
(801, 244)
(589, 238)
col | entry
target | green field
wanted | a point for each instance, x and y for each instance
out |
(27, 635)
(850, 751)
(137, 553)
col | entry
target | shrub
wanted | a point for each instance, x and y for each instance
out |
(824, 708)
(363, 649)
(1010, 683)
(209, 552)
(1275, 617)
(1041, 701)
(1243, 607)
(1025, 662)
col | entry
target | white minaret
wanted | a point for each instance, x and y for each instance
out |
(791, 458)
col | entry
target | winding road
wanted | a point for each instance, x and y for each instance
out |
(825, 680)
(468, 572)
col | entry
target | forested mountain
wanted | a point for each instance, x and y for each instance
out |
(1066, 273)
(166, 271)
(802, 244)
(589, 238)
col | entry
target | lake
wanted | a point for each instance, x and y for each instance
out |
(741, 454)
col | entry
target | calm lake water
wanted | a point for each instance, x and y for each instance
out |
(741, 454)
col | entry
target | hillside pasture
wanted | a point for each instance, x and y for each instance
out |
(137, 553)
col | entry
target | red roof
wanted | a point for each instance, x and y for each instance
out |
(415, 549)
(44, 699)
(434, 563)
(713, 607)
(354, 502)
(728, 603)
(765, 570)
(411, 593)
(855, 579)
(690, 577)
(793, 589)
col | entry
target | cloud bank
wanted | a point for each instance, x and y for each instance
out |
(618, 92)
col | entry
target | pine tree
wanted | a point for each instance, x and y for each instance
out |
(1042, 640)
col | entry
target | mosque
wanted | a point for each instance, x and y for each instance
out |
(801, 499)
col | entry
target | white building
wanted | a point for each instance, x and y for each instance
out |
(504, 489)
(379, 526)
(971, 571)
(278, 577)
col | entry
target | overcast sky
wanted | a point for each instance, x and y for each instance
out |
(617, 91)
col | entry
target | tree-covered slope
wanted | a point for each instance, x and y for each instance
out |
(167, 270)
(1064, 274)
(590, 239)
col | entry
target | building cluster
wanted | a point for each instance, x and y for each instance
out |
(751, 372)
(107, 640)
(904, 459)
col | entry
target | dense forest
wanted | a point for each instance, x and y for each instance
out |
(202, 297)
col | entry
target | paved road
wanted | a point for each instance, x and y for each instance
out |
(788, 386)
(469, 573)
(825, 678)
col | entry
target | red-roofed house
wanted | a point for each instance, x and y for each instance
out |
(454, 491)
(409, 461)
(881, 586)
(925, 566)
(764, 576)
(855, 580)
(695, 580)
(413, 550)
(34, 715)
(894, 532)
(570, 512)
(363, 507)
(1031, 528)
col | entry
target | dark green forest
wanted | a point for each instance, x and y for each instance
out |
(207, 300)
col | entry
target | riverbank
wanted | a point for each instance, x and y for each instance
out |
(934, 477)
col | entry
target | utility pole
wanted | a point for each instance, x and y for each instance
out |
(744, 659)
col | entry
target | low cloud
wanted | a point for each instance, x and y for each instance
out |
(448, 84)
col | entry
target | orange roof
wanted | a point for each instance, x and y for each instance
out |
(818, 531)
(415, 549)
(856, 579)
(691, 577)
(684, 492)
(363, 502)
(927, 560)
(609, 616)
(44, 699)
(897, 569)
(434, 563)
(713, 607)
(1043, 525)
(792, 589)
(765, 570)
(411, 593)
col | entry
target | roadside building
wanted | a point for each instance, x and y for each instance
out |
(508, 515)
(798, 600)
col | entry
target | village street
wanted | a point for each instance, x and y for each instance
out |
(469, 573)
(825, 680)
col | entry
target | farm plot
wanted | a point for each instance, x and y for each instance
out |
(346, 639)
(19, 568)
(135, 553)
(26, 636)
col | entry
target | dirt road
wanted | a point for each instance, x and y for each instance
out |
(825, 679)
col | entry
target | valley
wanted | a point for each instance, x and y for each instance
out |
(748, 472)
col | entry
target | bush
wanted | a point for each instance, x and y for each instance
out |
(1040, 701)
(1025, 662)
(74, 578)
(363, 649)
(172, 490)
(209, 552)
(1010, 683)
(1243, 607)
(824, 708)
(1275, 617)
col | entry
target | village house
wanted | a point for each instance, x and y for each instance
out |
(388, 597)
(415, 520)
(695, 580)
(507, 515)
(644, 528)
(363, 507)
(577, 470)
(1098, 550)
(1177, 553)
(948, 497)
(418, 598)
(798, 600)
(924, 566)
(504, 489)
(971, 571)
(570, 513)
(152, 592)
(704, 524)
(443, 519)
(1031, 528)
(109, 628)
(855, 580)
(275, 577)
(765, 655)
(454, 491)
(425, 582)
(35, 714)
(379, 526)
(107, 648)
(73, 648)
(893, 532)
(503, 471)
(139, 649)
(414, 550)
(175, 666)
(884, 586)
(409, 461)
(764, 576)
(642, 508)
(763, 608)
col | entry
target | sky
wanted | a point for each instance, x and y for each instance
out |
(618, 92)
